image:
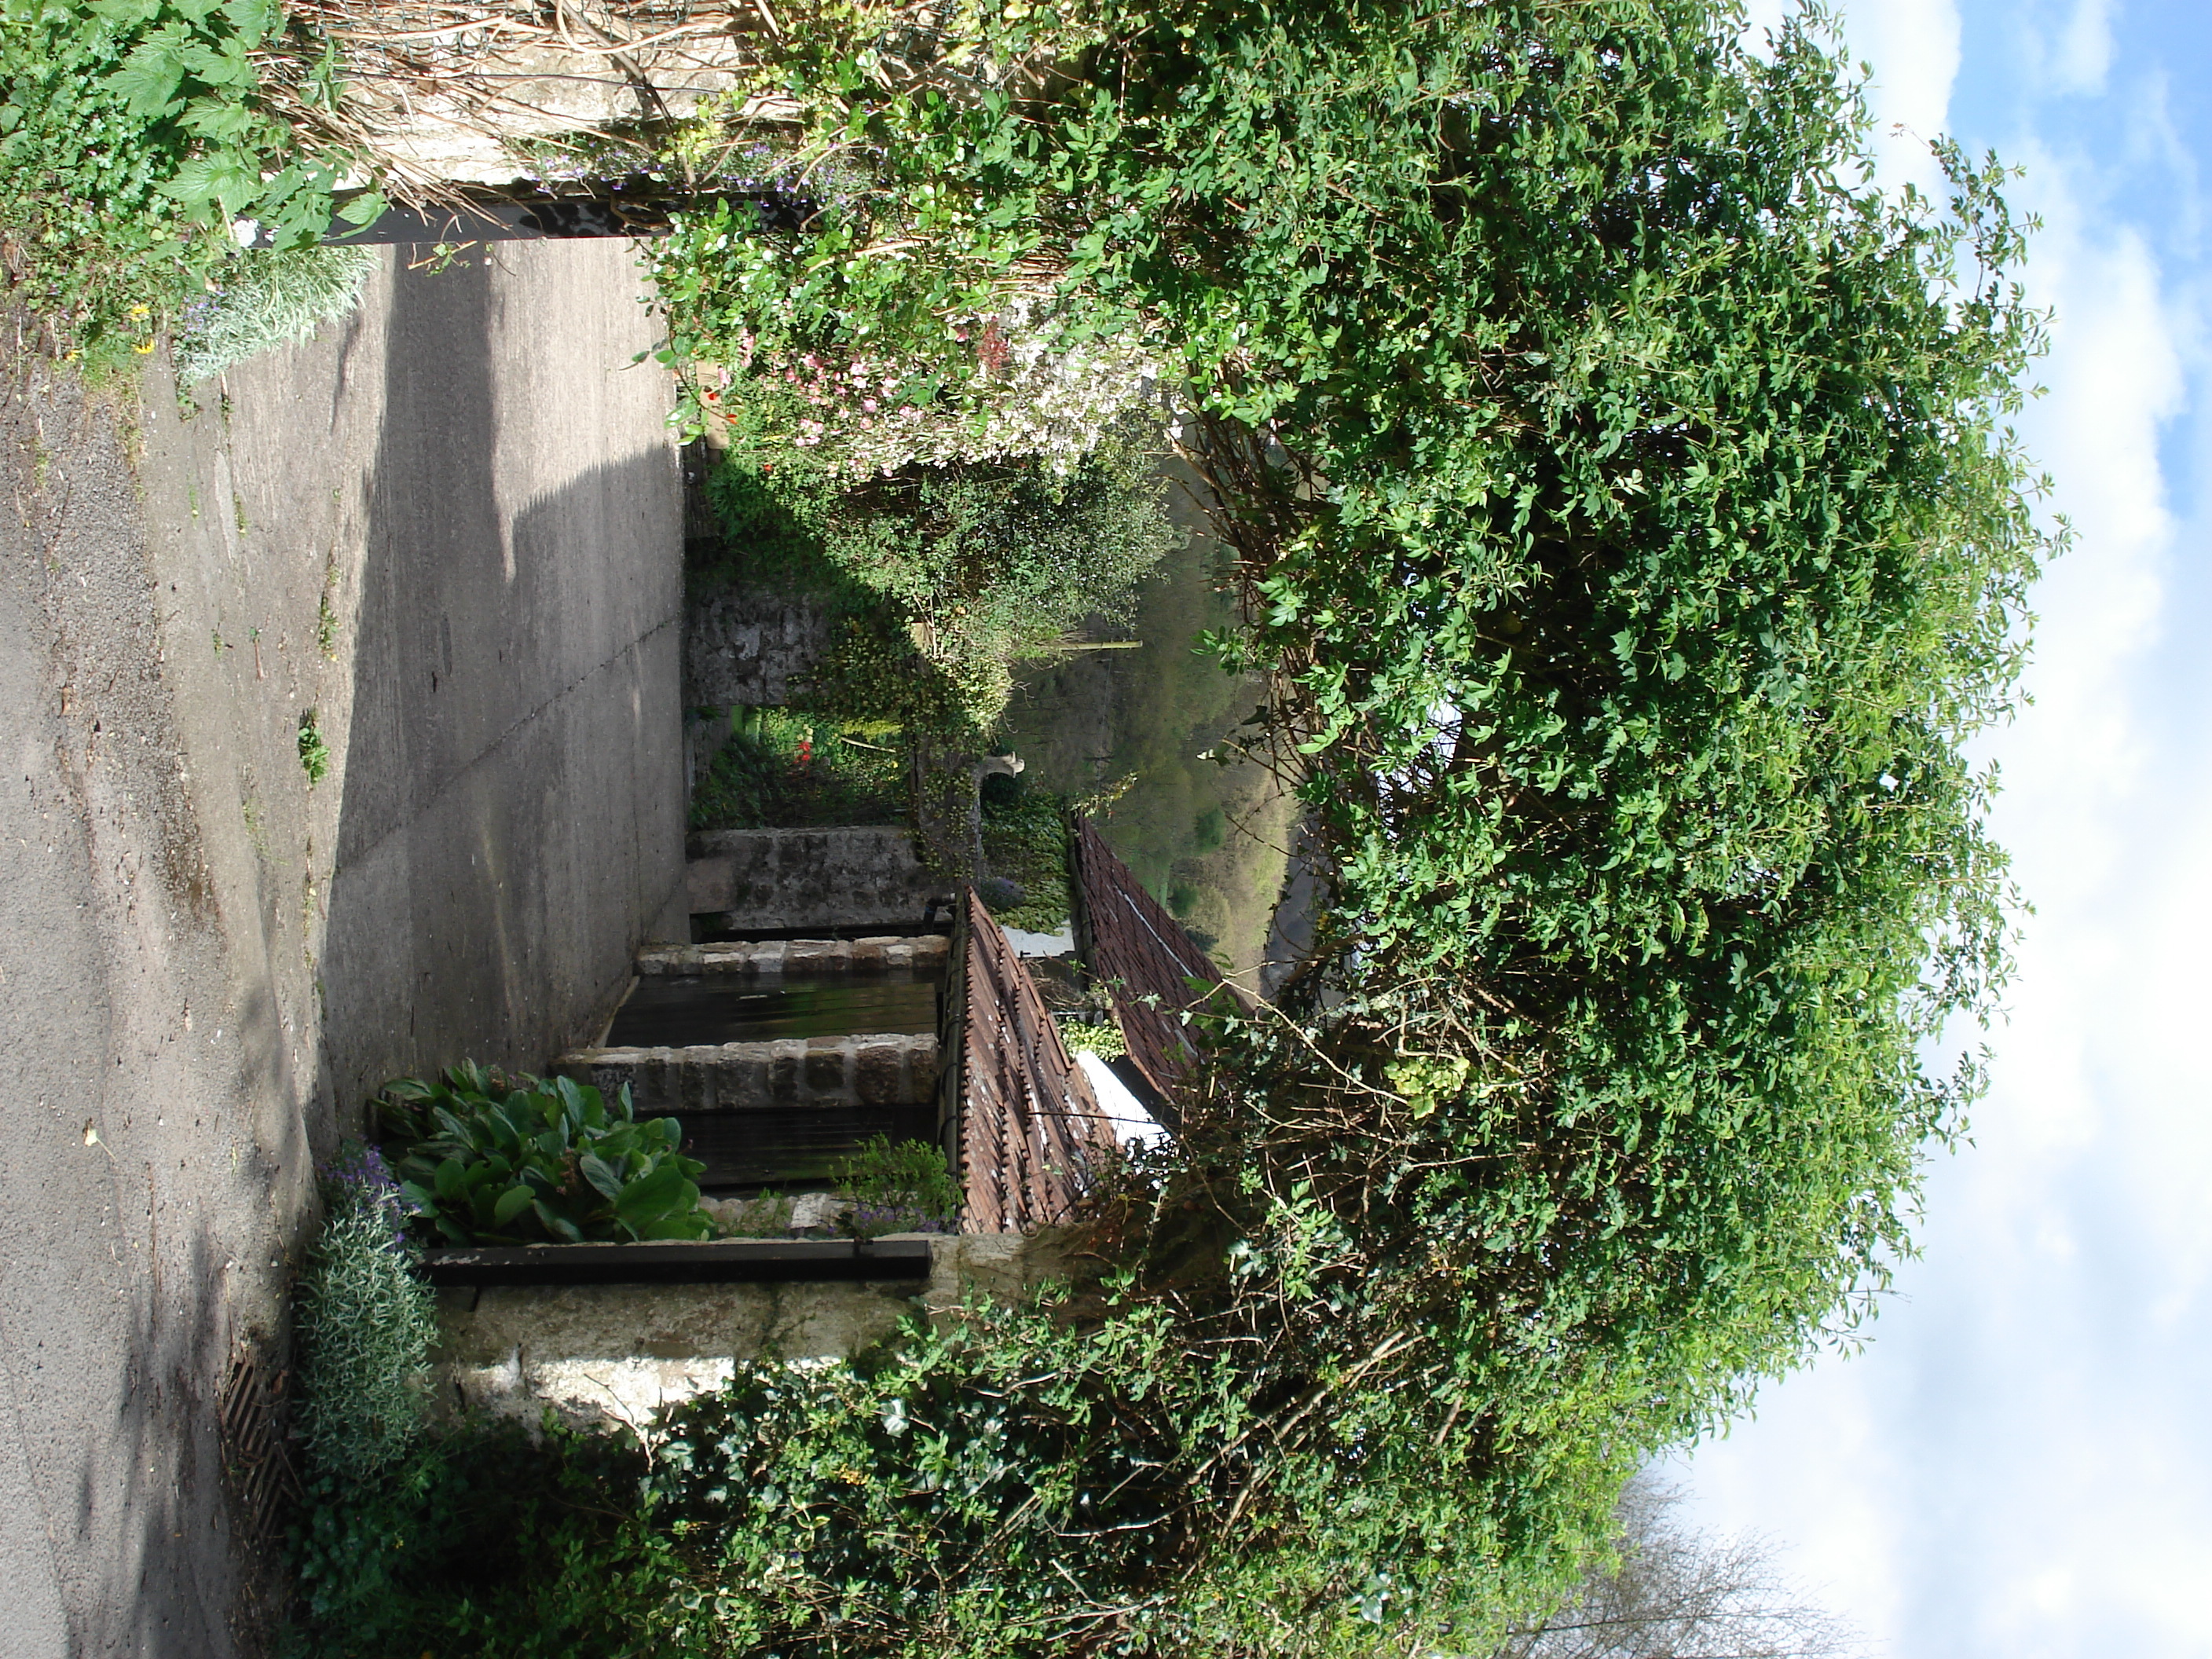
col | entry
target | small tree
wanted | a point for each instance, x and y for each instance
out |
(1670, 1593)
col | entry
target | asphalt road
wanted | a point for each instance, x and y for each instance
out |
(451, 529)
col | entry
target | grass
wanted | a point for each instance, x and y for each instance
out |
(1025, 841)
(781, 769)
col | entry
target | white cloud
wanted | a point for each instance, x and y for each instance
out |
(2018, 1465)
(2083, 52)
(1912, 46)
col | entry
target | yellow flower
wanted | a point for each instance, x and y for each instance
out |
(144, 347)
(138, 311)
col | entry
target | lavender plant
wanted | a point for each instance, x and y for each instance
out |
(363, 1323)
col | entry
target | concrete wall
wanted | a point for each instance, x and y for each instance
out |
(767, 880)
(610, 1355)
(511, 762)
(744, 645)
(891, 1069)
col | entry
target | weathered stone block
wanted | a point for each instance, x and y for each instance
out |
(825, 1068)
(880, 1075)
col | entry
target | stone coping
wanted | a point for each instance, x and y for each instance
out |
(888, 1068)
(795, 956)
(609, 1356)
(686, 1261)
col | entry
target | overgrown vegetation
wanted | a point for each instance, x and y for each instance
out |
(781, 769)
(1025, 844)
(133, 139)
(494, 1159)
(898, 1187)
(964, 568)
(265, 297)
(1631, 542)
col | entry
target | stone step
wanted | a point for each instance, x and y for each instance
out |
(861, 1069)
(796, 956)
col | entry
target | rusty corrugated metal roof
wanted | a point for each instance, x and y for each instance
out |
(1030, 1136)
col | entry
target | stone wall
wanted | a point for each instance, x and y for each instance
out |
(746, 646)
(774, 880)
(752, 957)
(608, 1356)
(887, 1069)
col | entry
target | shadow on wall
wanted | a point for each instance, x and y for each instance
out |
(512, 828)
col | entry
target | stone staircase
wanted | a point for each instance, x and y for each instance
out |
(778, 1056)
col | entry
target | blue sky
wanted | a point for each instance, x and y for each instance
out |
(2020, 1465)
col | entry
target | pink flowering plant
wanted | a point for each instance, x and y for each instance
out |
(1011, 384)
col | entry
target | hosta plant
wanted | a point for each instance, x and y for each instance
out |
(494, 1159)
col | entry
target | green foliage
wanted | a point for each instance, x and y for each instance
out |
(1158, 721)
(967, 566)
(314, 753)
(268, 297)
(1025, 841)
(1102, 1038)
(784, 770)
(1015, 1480)
(498, 1160)
(132, 136)
(363, 1324)
(899, 1186)
(490, 1543)
(873, 674)
(1630, 532)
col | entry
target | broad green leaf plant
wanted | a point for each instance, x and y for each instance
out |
(491, 1159)
(135, 154)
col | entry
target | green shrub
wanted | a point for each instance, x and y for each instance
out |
(967, 567)
(1025, 841)
(1102, 1038)
(786, 770)
(132, 133)
(898, 1187)
(497, 1541)
(268, 297)
(364, 1324)
(497, 1159)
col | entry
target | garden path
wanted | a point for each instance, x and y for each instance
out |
(451, 528)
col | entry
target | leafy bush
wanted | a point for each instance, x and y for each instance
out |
(1025, 841)
(1101, 1037)
(131, 137)
(268, 297)
(496, 1159)
(1632, 535)
(493, 1542)
(363, 1325)
(898, 1185)
(1018, 383)
(970, 565)
(784, 770)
